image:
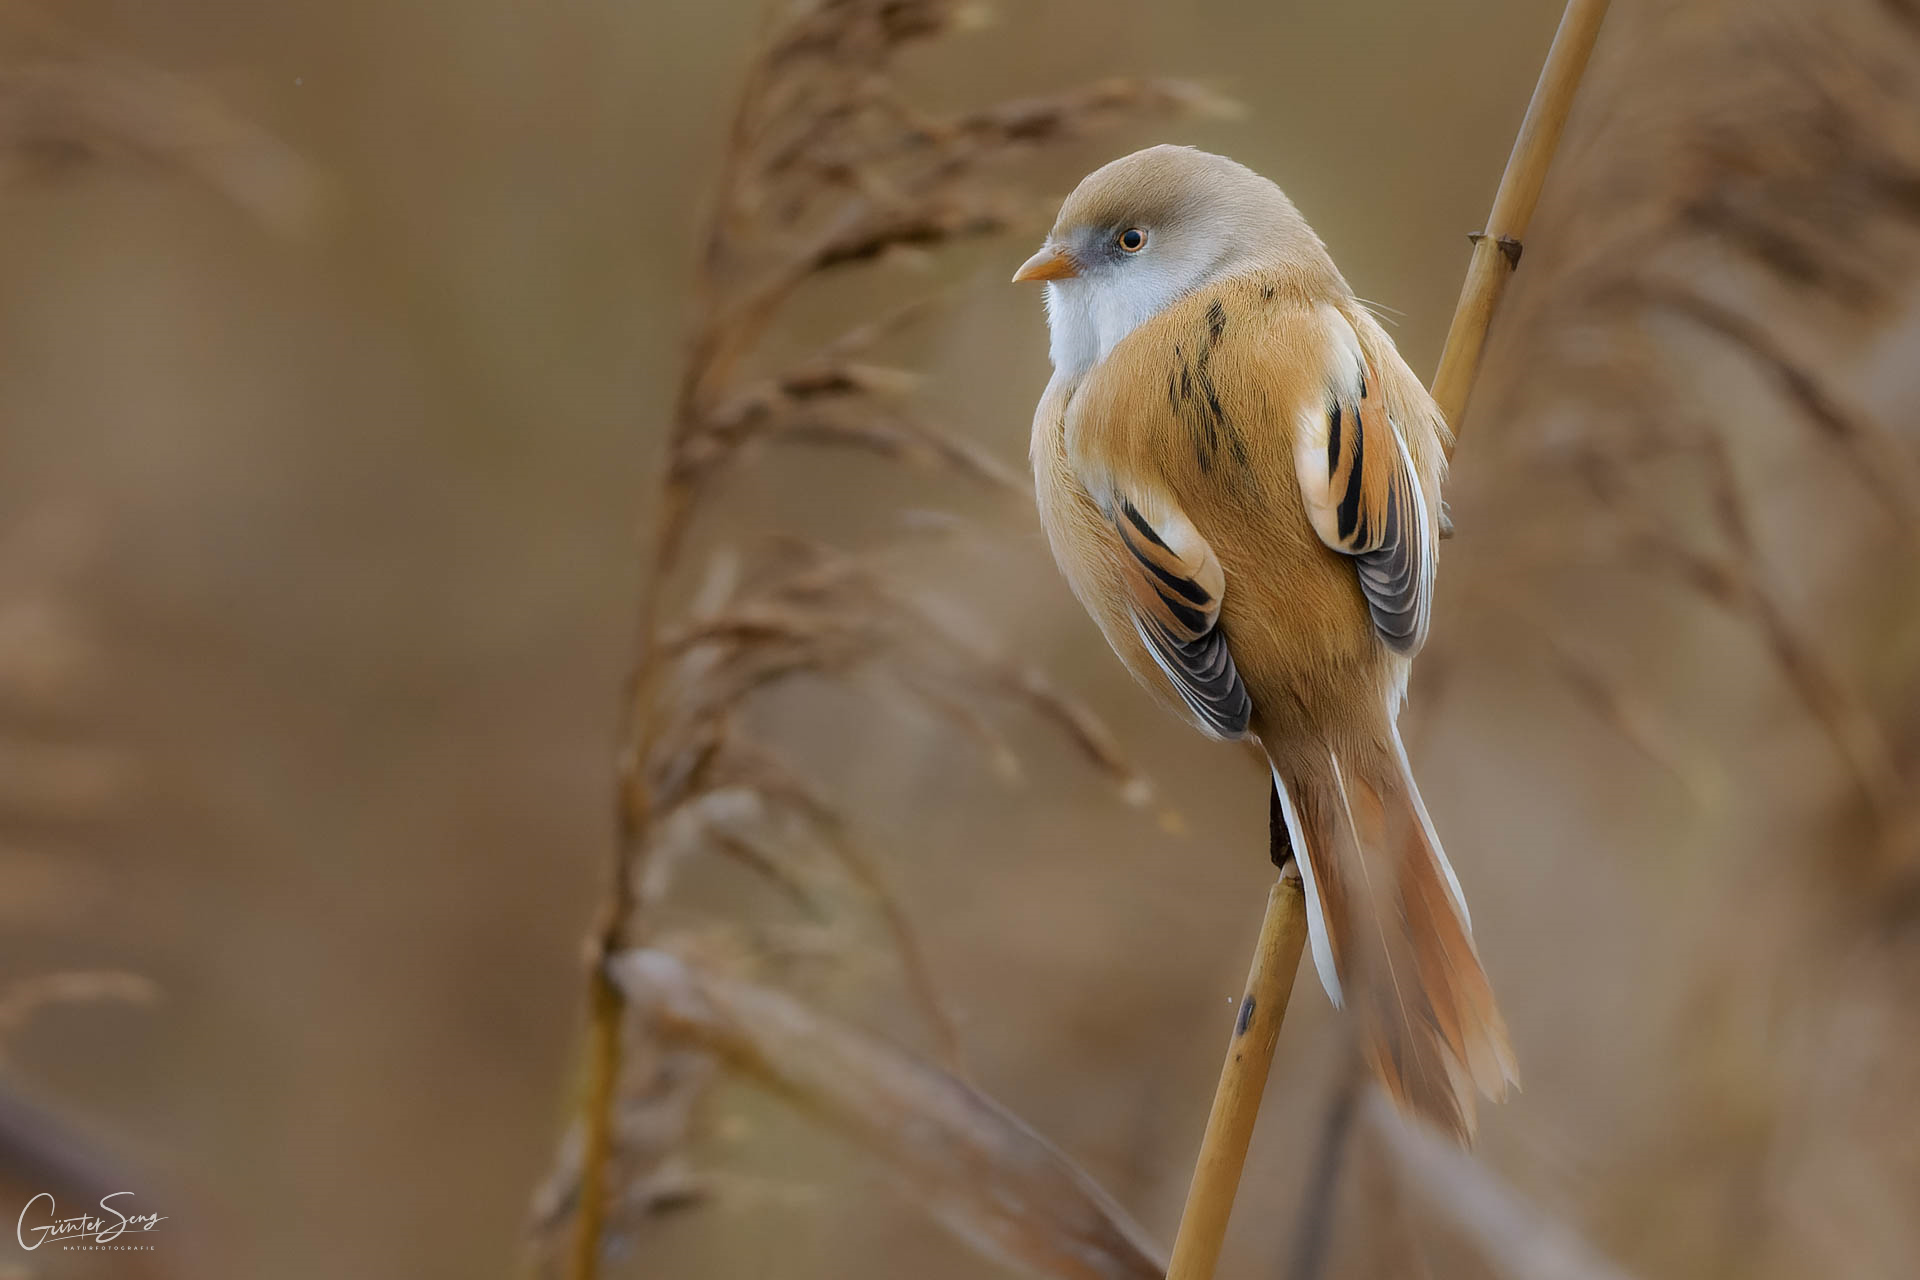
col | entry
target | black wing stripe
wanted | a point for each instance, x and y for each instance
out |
(1349, 510)
(1192, 619)
(1139, 522)
(1186, 588)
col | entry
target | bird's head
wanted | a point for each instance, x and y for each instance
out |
(1150, 228)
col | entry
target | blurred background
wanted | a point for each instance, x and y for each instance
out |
(338, 354)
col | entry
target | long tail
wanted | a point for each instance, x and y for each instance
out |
(1390, 932)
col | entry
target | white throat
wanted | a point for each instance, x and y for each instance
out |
(1086, 319)
(1089, 315)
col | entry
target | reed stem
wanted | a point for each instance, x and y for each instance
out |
(1496, 250)
(1243, 1077)
(1283, 931)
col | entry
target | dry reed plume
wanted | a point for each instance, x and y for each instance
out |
(828, 166)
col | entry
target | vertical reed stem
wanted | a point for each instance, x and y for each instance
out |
(1496, 251)
(604, 1014)
(1283, 932)
(1243, 1077)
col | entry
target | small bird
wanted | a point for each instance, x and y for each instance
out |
(1240, 479)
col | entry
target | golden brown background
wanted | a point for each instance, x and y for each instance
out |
(321, 476)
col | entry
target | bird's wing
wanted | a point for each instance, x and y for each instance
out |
(1175, 584)
(1190, 423)
(1362, 491)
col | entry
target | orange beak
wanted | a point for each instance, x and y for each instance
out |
(1050, 263)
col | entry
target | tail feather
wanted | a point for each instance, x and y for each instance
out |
(1305, 811)
(1391, 934)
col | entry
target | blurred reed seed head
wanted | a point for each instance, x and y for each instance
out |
(1698, 411)
(68, 106)
(828, 166)
(1736, 231)
(65, 103)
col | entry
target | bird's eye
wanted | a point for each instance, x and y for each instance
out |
(1133, 240)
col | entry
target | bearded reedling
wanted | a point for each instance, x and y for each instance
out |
(1240, 478)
